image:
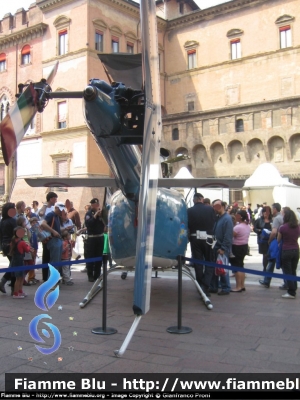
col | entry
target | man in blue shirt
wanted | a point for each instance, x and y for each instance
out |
(223, 232)
(52, 224)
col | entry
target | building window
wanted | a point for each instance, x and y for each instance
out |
(62, 114)
(2, 62)
(191, 106)
(63, 42)
(285, 36)
(4, 107)
(2, 180)
(25, 55)
(99, 40)
(31, 128)
(181, 9)
(115, 44)
(130, 47)
(235, 46)
(191, 59)
(61, 168)
(175, 134)
(239, 125)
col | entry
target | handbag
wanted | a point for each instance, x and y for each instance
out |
(221, 260)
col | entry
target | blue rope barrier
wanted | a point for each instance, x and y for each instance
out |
(57, 264)
(245, 270)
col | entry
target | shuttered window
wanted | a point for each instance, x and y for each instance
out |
(235, 46)
(2, 62)
(285, 36)
(99, 40)
(62, 114)
(115, 44)
(25, 55)
(61, 168)
(130, 47)
(191, 54)
(63, 42)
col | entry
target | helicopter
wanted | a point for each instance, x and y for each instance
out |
(147, 220)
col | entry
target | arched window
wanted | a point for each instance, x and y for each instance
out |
(239, 125)
(4, 107)
(25, 55)
(175, 134)
(2, 62)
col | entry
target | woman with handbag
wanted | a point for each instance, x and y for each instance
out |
(263, 222)
(241, 233)
(289, 233)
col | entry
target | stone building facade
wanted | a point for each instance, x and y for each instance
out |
(232, 88)
(230, 85)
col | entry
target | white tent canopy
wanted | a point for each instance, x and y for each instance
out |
(267, 185)
(266, 175)
(183, 173)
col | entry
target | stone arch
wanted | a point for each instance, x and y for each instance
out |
(5, 91)
(5, 104)
(60, 89)
(217, 153)
(191, 43)
(294, 143)
(256, 150)
(131, 35)
(276, 149)
(61, 21)
(181, 150)
(116, 30)
(165, 153)
(284, 19)
(234, 32)
(200, 156)
(236, 152)
(100, 24)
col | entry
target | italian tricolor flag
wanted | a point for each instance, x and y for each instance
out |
(16, 122)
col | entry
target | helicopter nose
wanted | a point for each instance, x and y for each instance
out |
(89, 93)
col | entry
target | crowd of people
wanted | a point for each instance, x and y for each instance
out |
(56, 226)
(218, 230)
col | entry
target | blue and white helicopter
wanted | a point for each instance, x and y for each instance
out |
(147, 219)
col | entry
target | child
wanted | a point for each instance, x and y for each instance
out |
(68, 244)
(18, 247)
(28, 260)
(34, 244)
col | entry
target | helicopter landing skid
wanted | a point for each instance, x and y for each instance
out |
(97, 287)
(186, 270)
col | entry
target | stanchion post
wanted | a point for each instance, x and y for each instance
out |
(179, 329)
(104, 330)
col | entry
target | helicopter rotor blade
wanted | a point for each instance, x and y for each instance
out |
(150, 159)
(51, 73)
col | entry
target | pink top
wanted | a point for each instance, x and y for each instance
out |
(243, 232)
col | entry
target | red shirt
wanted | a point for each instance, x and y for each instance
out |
(23, 247)
(67, 249)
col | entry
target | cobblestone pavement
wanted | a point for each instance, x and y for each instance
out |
(252, 331)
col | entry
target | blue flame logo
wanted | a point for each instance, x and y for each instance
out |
(45, 302)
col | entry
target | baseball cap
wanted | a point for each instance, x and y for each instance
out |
(94, 201)
(61, 206)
